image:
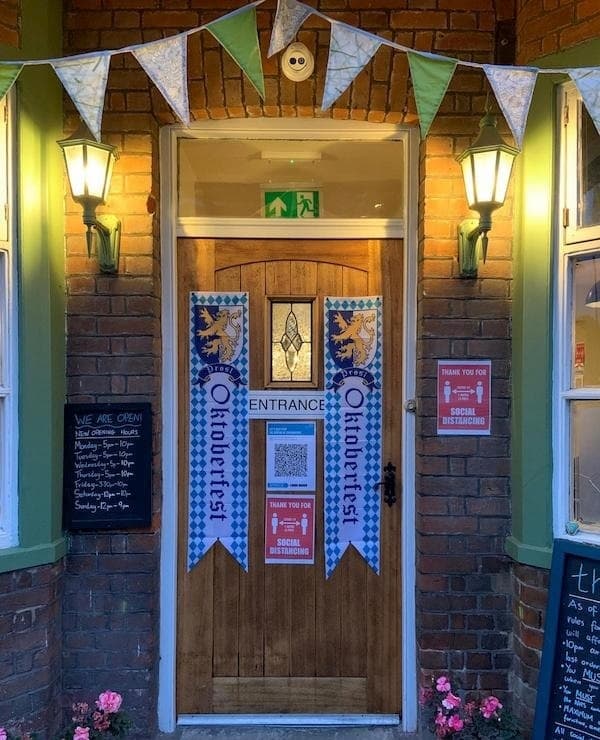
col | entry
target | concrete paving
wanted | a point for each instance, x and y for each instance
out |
(274, 732)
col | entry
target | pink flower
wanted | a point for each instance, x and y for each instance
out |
(470, 708)
(442, 684)
(450, 701)
(441, 724)
(489, 706)
(81, 733)
(425, 696)
(455, 723)
(3, 734)
(80, 710)
(101, 721)
(109, 701)
(440, 719)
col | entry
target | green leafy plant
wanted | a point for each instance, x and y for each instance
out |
(448, 715)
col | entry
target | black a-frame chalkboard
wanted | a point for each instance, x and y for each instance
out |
(107, 466)
(568, 699)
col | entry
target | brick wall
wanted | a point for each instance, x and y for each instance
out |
(530, 587)
(110, 616)
(10, 23)
(30, 638)
(549, 26)
(463, 594)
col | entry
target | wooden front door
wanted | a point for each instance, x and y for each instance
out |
(282, 638)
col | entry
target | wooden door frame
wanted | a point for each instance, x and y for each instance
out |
(171, 228)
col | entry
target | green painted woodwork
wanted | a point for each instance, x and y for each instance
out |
(41, 290)
(533, 269)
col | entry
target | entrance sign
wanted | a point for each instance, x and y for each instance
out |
(290, 529)
(286, 404)
(291, 455)
(353, 428)
(291, 203)
(464, 396)
(218, 472)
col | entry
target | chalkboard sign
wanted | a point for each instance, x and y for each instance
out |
(568, 700)
(107, 471)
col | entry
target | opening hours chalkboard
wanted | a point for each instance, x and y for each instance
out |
(107, 466)
(568, 701)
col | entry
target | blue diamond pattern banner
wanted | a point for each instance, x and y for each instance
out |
(218, 481)
(353, 423)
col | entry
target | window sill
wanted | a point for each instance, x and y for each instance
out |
(538, 557)
(17, 558)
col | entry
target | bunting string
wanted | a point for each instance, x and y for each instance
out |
(84, 76)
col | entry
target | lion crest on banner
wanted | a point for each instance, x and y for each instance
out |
(353, 337)
(218, 333)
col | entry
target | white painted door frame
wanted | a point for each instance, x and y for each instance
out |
(171, 228)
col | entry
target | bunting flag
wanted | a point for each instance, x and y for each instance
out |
(353, 416)
(289, 17)
(349, 51)
(8, 74)
(238, 35)
(430, 78)
(84, 76)
(85, 81)
(218, 431)
(165, 62)
(513, 88)
(587, 80)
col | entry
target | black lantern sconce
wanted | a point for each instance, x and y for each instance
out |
(89, 168)
(486, 168)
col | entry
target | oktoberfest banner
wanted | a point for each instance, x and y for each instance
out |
(353, 391)
(218, 455)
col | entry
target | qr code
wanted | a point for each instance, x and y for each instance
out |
(291, 461)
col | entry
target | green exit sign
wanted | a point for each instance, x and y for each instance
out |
(291, 203)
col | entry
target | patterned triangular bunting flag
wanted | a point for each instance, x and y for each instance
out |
(513, 88)
(85, 82)
(165, 62)
(349, 51)
(289, 17)
(587, 80)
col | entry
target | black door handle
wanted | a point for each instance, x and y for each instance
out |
(389, 484)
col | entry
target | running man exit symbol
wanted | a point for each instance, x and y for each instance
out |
(291, 203)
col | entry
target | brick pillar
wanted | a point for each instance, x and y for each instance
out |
(30, 654)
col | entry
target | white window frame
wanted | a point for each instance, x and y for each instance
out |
(571, 242)
(8, 335)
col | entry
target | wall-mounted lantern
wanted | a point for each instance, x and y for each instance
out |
(486, 168)
(89, 168)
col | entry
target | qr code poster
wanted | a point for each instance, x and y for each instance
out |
(291, 455)
(290, 528)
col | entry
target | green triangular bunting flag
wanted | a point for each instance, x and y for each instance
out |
(237, 34)
(8, 74)
(430, 78)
